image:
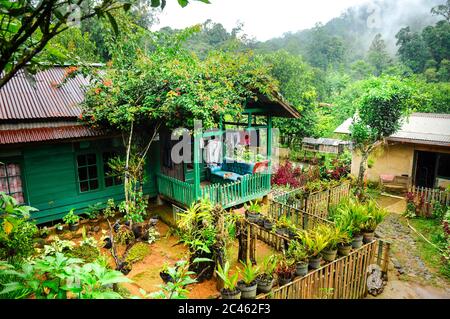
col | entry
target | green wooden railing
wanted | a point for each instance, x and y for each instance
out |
(250, 187)
(172, 188)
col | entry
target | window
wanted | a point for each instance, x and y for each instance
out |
(87, 172)
(110, 178)
(11, 181)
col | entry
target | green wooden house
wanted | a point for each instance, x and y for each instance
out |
(50, 160)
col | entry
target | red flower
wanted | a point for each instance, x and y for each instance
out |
(80, 116)
(97, 90)
(107, 82)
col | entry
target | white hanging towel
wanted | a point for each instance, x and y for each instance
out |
(214, 152)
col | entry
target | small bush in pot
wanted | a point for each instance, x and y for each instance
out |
(59, 228)
(298, 252)
(248, 284)
(283, 227)
(230, 289)
(314, 242)
(253, 212)
(285, 270)
(72, 220)
(333, 236)
(268, 223)
(375, 216)
(265, 279)
(93, 212)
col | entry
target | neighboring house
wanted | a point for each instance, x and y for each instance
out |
(420, 150)
(324, 145)
(49, 160)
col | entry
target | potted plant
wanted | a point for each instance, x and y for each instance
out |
(297, 252)
(375, 216)
(265, 279)
(344, 246)
(164, 273)
(314, 242)
(253, 212)
(59, 228)
(72, 220)
(93, 212)
(283, 226)
(268, 223)
(333, 235)
(229, 290)
(285, 271)
(248, 284)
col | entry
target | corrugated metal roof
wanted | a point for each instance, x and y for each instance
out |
(20, 100)
(26, 135)
(323, 141)
(425, 128)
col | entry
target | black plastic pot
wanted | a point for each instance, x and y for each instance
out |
(107, 243)
(344, 250)
(165, 277)
(301, 268)
(268, 224)
(314, 262)
(329, 255)
(226, 294)
(282, 232)
(253, 217)
(284, 281)
(368, 237)
(357, 241)
(74, 227)
(248, 292)
(265, 285)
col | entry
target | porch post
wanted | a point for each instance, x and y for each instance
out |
(269, 149)
(197, 191)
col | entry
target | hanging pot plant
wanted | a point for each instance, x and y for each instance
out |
(230, 289)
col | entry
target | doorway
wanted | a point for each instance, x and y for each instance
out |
(425, 168)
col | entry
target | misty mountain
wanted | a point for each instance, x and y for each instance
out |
(358, 26)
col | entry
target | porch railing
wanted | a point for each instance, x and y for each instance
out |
(172, 188)
(248, 188)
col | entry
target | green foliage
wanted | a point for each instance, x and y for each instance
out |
(175, 289)
(86, 253)
(254, 207)
(229, 281)
(314, 241)
(249, 272)
(110, 210)
(93, 211)
(16, 232)
(71, 218)
(269, 265)
(137, 253)
(58, 246)
(296, 251)
(124, 235)
(61, 277)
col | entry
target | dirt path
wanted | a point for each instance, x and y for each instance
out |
(409, 276)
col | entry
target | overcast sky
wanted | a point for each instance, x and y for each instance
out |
(263, 19)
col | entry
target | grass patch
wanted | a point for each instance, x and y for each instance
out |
(431, 229)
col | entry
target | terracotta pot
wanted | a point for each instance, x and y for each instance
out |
(248, 292)
(329, 255)
(368, 237)
(314, 262)
(344, 250)
(226, 294)
(301, 268)
(357, 241)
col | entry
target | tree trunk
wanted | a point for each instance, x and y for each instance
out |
(362, 168)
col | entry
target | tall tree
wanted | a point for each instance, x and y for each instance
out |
(378, 56)
(442, 10)
(26, 26)
(380, 111)
(413, 50)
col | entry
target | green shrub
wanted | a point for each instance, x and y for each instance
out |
(19, 242)
(137, 253)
